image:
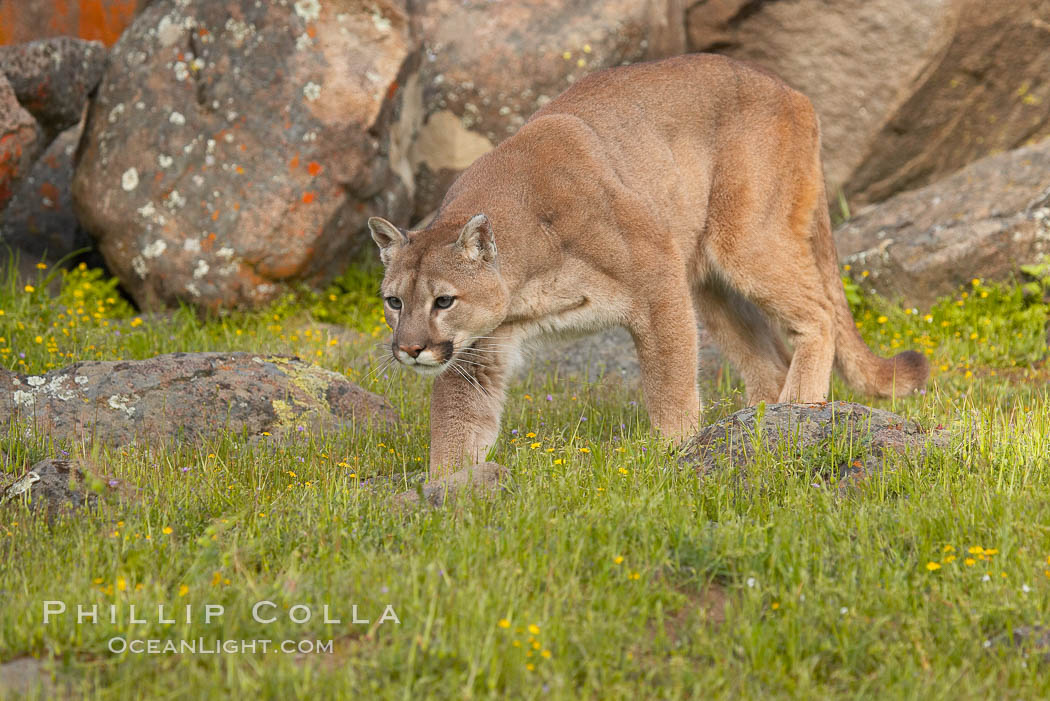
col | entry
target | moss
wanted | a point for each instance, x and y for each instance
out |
(309, 379)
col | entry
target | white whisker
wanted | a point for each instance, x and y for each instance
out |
(470, 378)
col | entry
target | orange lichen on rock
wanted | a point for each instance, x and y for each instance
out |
(102, 20)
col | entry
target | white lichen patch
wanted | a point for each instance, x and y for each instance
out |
(380, 21)
(57, 388)
(174, 200)
(164, 160)
(303, 42)
(138, 264)
(182, 71)
(311, 91)
(168, 31)
(81, 379)
(201, 270)
(115, 113)
(41, 386)
(155, 249)
(177, 119)
(191, 245)
(238, 31)
(308, 10)
(122, 402)
(225, 252)
(149, 211)
(129, 180)
(193, 289)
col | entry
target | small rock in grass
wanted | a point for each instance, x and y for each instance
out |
(30, 677)
(483, 478)
(863, 433)
(53, 77)
(1033, 640)
(52, 485)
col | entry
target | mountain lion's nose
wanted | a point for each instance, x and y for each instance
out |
(413, 351)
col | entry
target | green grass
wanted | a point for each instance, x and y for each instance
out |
(606, 572)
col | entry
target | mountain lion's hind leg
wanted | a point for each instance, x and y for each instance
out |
(666, 339)
(747, 339)
(790, 289)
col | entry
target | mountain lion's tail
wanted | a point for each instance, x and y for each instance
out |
(858, 365)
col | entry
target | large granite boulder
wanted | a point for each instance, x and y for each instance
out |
(855, 59)
(907, 90)
(985, 221)
(39, 222)
(236, 147)
(52, 78)
(21, 139)
(988, 92)
(488, 66)
(187, 396)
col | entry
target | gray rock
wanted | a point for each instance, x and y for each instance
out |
(39, 222)
(809, 429)
(21, 139)
(29, 677)
(187, 396)
(984, 221)
(610, 354)
(1032, 640)
(53, 78)
(52, 485)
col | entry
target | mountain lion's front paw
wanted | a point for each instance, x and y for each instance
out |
(483, 478)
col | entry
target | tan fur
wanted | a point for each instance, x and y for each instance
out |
(644, 197)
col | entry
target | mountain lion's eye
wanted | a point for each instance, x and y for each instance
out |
(444, 302)
(394, 302)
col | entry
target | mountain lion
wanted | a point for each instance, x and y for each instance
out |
(644, 196)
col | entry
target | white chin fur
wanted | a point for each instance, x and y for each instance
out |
(428, 370)
(422, 368)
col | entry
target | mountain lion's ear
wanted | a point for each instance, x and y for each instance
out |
(386, 236)
(476, 240)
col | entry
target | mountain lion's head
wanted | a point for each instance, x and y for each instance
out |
(442, 290)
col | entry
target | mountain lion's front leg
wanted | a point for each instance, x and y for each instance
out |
(666, 338)
(466, 405)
